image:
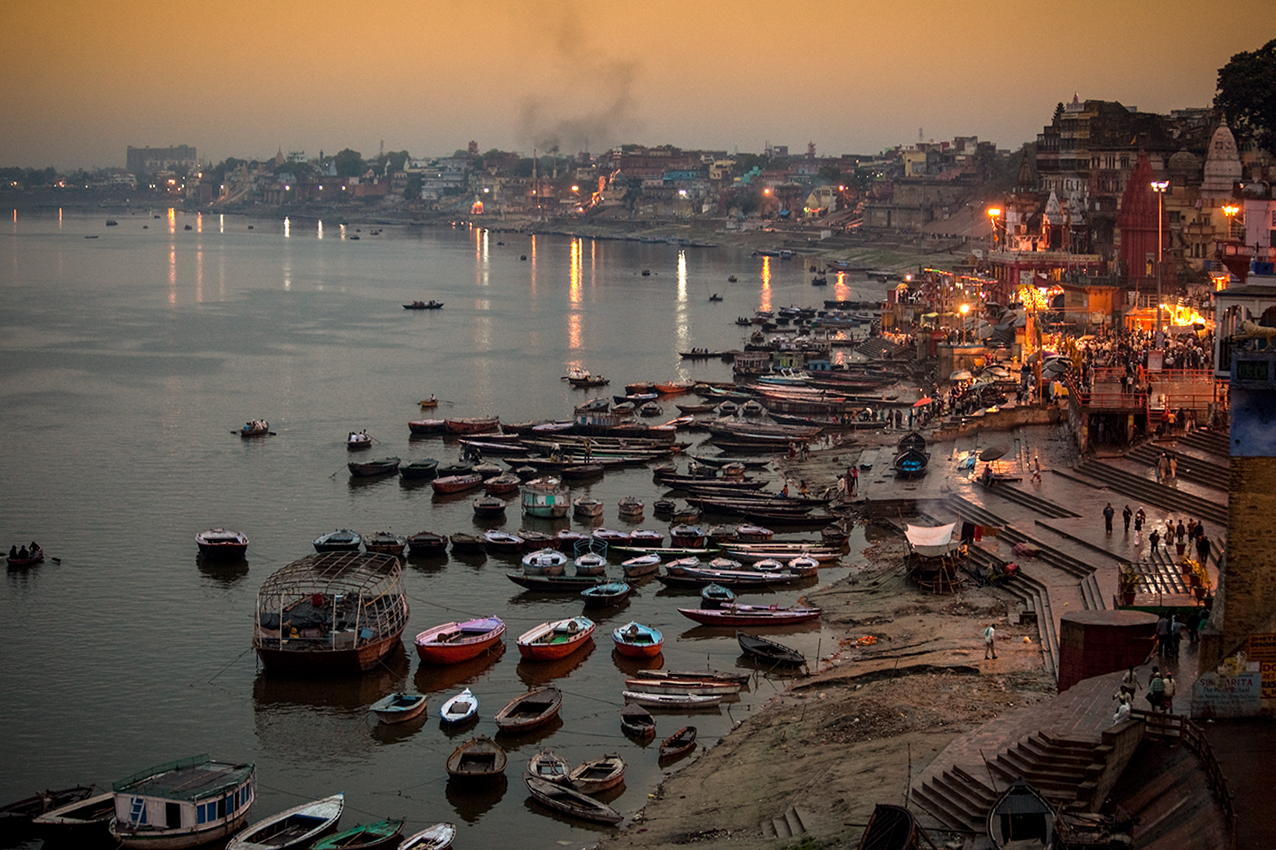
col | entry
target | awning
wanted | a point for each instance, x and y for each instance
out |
(931, 541)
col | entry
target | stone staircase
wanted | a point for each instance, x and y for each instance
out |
(1214, 442)
(1044, 507)
(1096, 473)
(793, 823)
(1190, 468)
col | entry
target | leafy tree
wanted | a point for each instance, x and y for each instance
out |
(412, 192)
(1247, 95)
(633, 193)
(11, 174)
(832, 174)
(349, 163)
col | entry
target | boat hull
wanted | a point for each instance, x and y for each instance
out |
(431, 649)
(533, 646)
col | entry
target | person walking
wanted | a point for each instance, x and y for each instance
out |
(1174, 468)
(1180, 538)
(1108, 513)
(1126, 513)
(1139, 518)
(1130, 683)
(1162, 636)
(990, 642)
(1156, 689)
(1167, 692)
(1202, 548)
(1154, 540)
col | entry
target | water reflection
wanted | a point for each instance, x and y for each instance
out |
(388, 734)
(222, 570)
(537, 673)
(431, 678)
(472, 800)
(632, 667)
(336, 695)
(528, 739)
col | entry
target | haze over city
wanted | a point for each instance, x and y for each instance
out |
(83, 80)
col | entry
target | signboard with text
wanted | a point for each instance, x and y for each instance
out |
(1216, 695)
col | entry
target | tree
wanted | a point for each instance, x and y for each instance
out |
(349, 163)
(633, 193)
(1247, 95)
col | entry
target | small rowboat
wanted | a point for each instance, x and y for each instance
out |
(502, 484)
(503, 541)
(426, 427)
(357, 440)
(544, 562)
(679, 743)
(555, 584)
(255, 428)
(548, 765)
(557, 639)
(295, 828)
(610, 593)
(587, 506)
(457, 483)
(769, 651)
(698, 675)
(460, 708)
(365, 836)
(419, 470)
(700, 687)
(214, 543)
(381, 466)
(672, 701)
(590, 564)
(635, 640)
(532, 709)
(643, 538)
(399, 708)
(428, 403)
(637, 722)
(630, 506)
(737, 614)
(477, 758)
(427, 543)
(451, 643)
(486, 507)
(77, 823)
(642, 565)
(714, 596)
(569, 802)
(385, 542)
(437, 837)
(472, 425)
(341, 540)
(598, 775)
(464, 542)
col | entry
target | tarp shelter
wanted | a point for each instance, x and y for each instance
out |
(932, 542)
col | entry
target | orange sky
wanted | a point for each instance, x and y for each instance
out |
(82, 80)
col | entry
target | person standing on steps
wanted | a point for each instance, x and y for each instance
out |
(1126, 513)
(1108, 513)
(990, 642)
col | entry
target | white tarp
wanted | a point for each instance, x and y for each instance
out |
(931, 542)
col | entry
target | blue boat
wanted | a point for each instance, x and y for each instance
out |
(609, 593)
(399, 708)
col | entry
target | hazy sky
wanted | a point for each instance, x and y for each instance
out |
(80, 80)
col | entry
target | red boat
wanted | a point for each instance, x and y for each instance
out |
(220, 543)
(457, 483)
(558, 639)
(425, 427)
(451, 643)
(735, 614)
(638, 641)
(473, 425)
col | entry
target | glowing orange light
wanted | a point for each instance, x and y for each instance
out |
(993, 212)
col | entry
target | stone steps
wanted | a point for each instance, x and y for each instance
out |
(791, 824)
(1041, 506)
(1214, 442)
(1096, 473)
(1189, 468)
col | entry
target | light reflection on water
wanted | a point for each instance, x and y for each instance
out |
(126, 364)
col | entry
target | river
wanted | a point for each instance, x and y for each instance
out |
(132, 352)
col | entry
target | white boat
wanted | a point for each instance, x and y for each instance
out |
(544, 562)
(699, 687)
(459, 708)
(437, 837)
(654, 700)
(294, 828)
(183, 803)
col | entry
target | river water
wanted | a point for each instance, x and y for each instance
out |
(129, 354)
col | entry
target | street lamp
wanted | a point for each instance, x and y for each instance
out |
(1230, 210)
(1159, 186)
(965, 308)
(993, 213)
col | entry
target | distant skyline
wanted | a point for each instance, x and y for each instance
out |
(84, 80)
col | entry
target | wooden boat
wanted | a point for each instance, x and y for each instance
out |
(457, 483)
(427, 427)
(255, 428)
(597, 775)
(699, 675)
(681, 702)
(464, 542)
(537, 539)
(556, 639)
(910, 463)
(737, 614)
(385, 543)
(713, 596)
(503, 541)
(293, 829)
(679, 743)
(579, 471)
(381, 835)
(687, 536)
(32, 557)
(357, 440)
(549, 766)
(555, 583)
(82, 822)
(183, 803)
(608, 593)
(15, 816)
(337, 612)
(437, 837)
(419, 470)
(341, 540)
(544, 562)
(635, 640)
(637, 722)
(423, 305)
(381, 466)
(427, 543)
(677, 575)
(399, 707)
(476, 759)
(545, 497)
(610, 536)
(429, 403)
(700, 686)
(892, 827)
(472, 425)
(213, 543)
(534, 708)
(834, 535)
(641, 565)
(769, 651)
(460, 708)
(630, 506)
(570, 802)
(487, 507)
(502, 485)
(1020, 818)
(590, 564)
(587, 506)
(452, 643)
(750, 533)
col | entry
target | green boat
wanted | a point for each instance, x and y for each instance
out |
(365, 836)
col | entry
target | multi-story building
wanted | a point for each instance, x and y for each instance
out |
(153, 160)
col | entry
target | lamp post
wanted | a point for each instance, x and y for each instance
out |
(1159, 186)
(993, 213)
(965, 308)
(1230, 210)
